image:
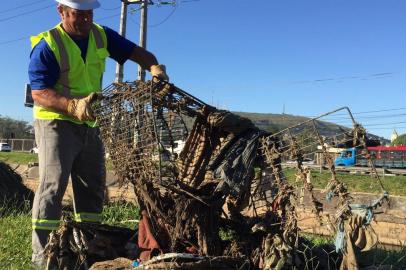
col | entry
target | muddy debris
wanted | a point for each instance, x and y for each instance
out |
(116, 264)
(224, 201)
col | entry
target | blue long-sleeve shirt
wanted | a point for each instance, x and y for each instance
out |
(43, 70)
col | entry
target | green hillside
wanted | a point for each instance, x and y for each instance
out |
(277, 122)
(273, 122)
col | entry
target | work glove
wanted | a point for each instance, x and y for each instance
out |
(80, 108)
(159, 71)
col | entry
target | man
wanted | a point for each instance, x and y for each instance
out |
(65, 71)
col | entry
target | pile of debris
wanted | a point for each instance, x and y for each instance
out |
(227, 181)
(13, 194)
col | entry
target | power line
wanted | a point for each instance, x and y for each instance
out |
(21, 6)
(388, 128)
(367, 117)
(143, 28)
(384, 124)
(25, 13)
(386, 110)
(175, 4)
(365, 112)
(14, 40)
(27, 37)
(107, 17)
(167, 18)
(375, 76)
(110, 8)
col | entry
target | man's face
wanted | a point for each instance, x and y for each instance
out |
(76, 22)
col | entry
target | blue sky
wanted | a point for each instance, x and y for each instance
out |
(309, 57)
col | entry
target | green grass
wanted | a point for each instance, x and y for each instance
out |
(15, 237)
(121, 214)
(395, 185)
(15, 242)
(318, 240)
(18, 157)
(15, 231)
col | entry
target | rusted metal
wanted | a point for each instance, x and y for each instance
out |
(191, 195)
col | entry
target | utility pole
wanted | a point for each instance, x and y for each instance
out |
(143, 34)
(123, 27)
(143, 30)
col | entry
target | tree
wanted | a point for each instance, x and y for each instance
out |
(15, 129)
(401, 140)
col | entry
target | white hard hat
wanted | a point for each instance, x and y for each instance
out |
(80, 4)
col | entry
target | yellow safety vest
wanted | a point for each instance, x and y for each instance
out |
(77, 78)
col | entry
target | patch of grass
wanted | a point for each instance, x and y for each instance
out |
(395, 185)
(226, 235)
(15, 231)
(18, 157)
(318, 240)
(15, 236)
(123, 214)
(15, 242)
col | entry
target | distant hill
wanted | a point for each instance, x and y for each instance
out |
(273, 122)
(276, 122)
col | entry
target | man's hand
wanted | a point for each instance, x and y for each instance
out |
(80, 108)
(159, 71)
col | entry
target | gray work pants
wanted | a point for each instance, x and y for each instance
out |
(66, 149)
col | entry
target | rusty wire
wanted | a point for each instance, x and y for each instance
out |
(140, 123)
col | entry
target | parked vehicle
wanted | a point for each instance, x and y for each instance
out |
(383, 156)
(5, 147)
(34, 150)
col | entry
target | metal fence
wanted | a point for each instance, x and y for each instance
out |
(24, 145)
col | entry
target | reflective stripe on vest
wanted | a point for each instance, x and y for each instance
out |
(77, 78)
(88, 217)
(99, 44)
(63, 64)
(98, 38)
(45, 224)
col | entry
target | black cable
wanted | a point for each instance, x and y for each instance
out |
(107, 17)
(365, 112)
(110, 8)
(383, 124)
(14, 40)
(26, 13)
(22, 6)
(387, 128)
(164, 20)
(365, 117)
(103, 18)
